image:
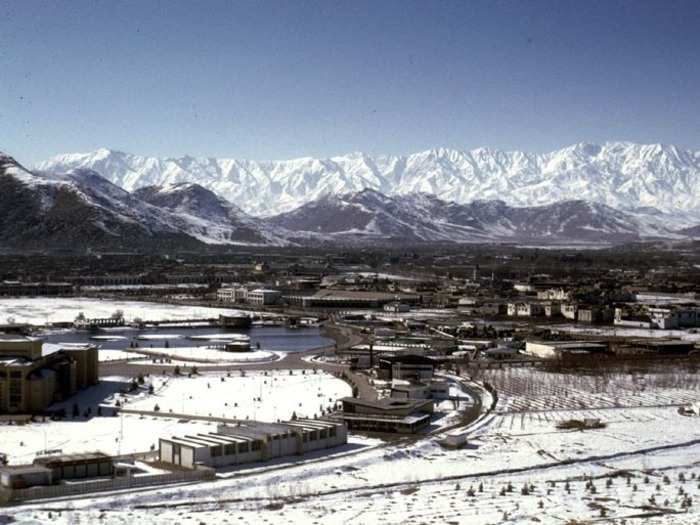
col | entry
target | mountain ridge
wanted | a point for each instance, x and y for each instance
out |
(371, 216)
(623, 175)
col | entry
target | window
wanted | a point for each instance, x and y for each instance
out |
(257, 445)
(215, 451)
(332, 432)
(243, 448)
(230, 449)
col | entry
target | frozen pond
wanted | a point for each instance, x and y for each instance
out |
(271, 338)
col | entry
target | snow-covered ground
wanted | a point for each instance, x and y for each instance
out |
(125, 434)
(117, 355)
(620, 331)
(40, 311)
(213, 355)
(525, 390)
(420, 482)
(246, 395)
(417, 481)
(249, 396)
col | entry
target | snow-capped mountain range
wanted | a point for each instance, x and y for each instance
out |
(71, 205)
(81, 209)
(651, 179)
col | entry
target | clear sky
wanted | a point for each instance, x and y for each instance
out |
(274, 80)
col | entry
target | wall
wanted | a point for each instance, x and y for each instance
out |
(89, 487)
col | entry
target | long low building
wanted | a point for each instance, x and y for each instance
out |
(251, 441)
(558, 349)
(350, 299)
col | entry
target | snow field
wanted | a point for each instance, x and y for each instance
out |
(245, 395)
(40, 310)
(355, 489)
(210, 354)
(252, 396)
(524, 390)
(124, 434)
(416, 481)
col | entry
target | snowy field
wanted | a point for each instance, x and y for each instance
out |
(40, 311)
(251, 396)
(125, 434)
(620, 331)
(246, 395)
(105, 355)
(204, 354)
(642, 467)
(506, 474)
(525, 389)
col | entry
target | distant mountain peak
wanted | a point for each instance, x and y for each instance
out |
(623, 175)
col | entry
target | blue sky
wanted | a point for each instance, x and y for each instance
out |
(273, 80)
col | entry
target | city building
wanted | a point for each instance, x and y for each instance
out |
(404, 416)
(411, 367)
(263, 297)
(34, 375)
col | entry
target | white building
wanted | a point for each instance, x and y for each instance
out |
(396, 307)
(232, 294)
(664, 318)
(569, 311)
(263, 297)
(670, 318)
(525, 309)
(554, 294)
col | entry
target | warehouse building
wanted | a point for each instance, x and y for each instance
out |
(251, 441)
(48, 470)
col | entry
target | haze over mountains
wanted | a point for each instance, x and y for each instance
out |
(583, 194)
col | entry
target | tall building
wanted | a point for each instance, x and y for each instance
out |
(34, 375)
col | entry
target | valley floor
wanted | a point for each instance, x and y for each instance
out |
(642, 467)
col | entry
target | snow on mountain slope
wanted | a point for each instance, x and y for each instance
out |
(374, 217)
(58, 210)
(51, 211)
(369, 214)
(622, 175)
(206, 216)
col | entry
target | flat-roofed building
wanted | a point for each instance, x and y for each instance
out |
(350, 299)
(251, 441)
(77, 466)
(24, 476)
(410, 390)
(557, 349)
(264, 297)
(671, 347)
(410, 367)
(34, 375)
(404, 416)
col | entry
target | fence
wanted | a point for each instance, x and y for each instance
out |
(89, 487)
